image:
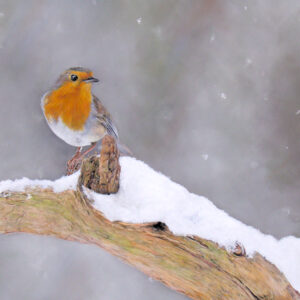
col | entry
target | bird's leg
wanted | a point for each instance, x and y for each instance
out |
(75, 162)
(76, 155)
(72, 164)
(93, 145)
(78, 151)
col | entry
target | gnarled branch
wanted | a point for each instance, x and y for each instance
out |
(191, 265)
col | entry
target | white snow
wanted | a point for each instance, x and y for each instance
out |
(139, 20)
(205, 156)
(58, 185)
(149, 196)
(248, 61)
(223, 96)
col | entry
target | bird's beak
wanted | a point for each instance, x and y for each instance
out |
(91, 79)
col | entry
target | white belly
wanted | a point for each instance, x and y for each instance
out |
(71, 137)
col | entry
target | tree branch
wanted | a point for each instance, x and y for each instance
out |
(191, 265)
(196, 267)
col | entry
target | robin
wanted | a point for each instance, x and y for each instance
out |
(75, 115)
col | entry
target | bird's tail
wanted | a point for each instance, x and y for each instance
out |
(124, 150)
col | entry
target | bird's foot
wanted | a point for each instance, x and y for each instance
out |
(73, 165)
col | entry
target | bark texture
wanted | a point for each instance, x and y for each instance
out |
(193, 266)
(196, 267)
(102, 174)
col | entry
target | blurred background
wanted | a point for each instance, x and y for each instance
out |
(205, 91)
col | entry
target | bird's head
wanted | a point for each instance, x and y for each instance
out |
(75, 78)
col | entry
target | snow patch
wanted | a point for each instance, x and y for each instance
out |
(149, 196)
(59, 185)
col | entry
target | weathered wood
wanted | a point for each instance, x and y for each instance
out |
(193, 266)
(102, 174)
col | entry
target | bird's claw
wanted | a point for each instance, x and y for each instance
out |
(73, 165)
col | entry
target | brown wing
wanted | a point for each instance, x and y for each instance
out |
(104, 118)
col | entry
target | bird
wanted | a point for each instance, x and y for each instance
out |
(75, 115)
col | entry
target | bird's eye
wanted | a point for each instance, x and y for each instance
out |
(74, 77)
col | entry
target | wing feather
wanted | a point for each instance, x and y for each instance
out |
(104, 118)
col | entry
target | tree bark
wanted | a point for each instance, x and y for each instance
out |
(193, 266)
(102, 174)
(196, 267)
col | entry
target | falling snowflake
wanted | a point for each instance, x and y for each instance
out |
(212, 38)
(248, 61)
(298, 112)
(223, 96)
(139, 20)
(205, 156)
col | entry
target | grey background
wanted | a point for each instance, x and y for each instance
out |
(205, 91)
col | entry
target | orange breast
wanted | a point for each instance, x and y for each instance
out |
(71, 104)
